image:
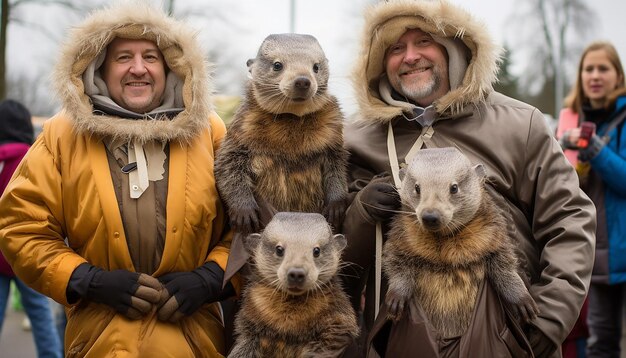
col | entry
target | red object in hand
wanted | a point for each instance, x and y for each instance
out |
(587, 129)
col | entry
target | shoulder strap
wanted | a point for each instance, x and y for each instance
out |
(619, 118)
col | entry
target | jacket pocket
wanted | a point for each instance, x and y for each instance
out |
(513, 345)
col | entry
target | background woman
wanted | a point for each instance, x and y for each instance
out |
(599, 96)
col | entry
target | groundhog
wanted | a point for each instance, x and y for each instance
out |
(449, 237)
(285, 144)
(294, 305)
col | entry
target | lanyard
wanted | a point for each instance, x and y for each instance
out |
(427, 133)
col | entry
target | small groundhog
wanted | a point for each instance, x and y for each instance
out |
(449, 237)
(294, 305)
(285, 144)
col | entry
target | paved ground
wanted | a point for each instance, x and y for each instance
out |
(14, 341)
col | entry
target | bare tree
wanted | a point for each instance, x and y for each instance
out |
(8, 16)
(552, 31)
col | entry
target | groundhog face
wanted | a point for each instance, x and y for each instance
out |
(442, 188)
(290, 74)
(296, 253)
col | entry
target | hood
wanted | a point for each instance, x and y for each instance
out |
(386, 21)
(183, 56)
(15, 123)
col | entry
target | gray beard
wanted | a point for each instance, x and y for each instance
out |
(416, 93)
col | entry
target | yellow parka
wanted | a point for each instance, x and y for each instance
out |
(60, 208)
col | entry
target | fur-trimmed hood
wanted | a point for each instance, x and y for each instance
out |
(386, 21)
(183, 56)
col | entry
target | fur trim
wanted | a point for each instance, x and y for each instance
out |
(386, 21)
(183, 55)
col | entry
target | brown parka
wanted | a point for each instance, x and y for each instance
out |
(553, 221)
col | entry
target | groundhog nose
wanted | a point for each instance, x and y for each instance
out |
(296, 276)
(431, 219)
(302, 83)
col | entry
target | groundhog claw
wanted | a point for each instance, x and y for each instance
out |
(526, 309)
(245, 220)
(395, 302)
(334, 213)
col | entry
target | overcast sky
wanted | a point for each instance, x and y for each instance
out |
(242, 25)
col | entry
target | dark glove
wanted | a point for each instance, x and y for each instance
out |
(380, 199)
(593, 149)
(185, 292)
(541, 345)
(129, 293)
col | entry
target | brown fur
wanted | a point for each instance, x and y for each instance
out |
(442, 264)
(280, 318)
(286, 151)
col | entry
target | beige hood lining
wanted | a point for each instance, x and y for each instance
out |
(183, 56)
(385, 22)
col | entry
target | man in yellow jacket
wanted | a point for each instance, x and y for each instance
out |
(114, 211)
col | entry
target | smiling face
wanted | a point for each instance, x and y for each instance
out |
(598, 76)
(134, 72)
(417, 67)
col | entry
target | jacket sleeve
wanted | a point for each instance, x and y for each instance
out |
(359, 229)
(562, 221)
(32, 225)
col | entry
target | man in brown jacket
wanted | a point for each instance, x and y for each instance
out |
(424, 79)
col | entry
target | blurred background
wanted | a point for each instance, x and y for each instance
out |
(543, 39)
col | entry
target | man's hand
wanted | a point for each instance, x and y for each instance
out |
(185, 292)
(380, 199)
(129, 293)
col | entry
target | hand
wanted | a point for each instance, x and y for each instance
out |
(334, 213)
(593, 149)
(569, 139)
(185, 292)
(129, 293)
(245, 219)
(541, 345)
(380, 199)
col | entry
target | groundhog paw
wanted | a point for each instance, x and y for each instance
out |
(245, 220)
(526, 309)
(334, 213)
(396, 303)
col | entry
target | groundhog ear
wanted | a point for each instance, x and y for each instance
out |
(480, 171)
(340, 241)
(249, 63)
(251, 241)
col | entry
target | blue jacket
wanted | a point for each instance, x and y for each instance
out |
(610, 166)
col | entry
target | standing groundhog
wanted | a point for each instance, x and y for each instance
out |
(293, 305)
(448, 239)
(285, 144)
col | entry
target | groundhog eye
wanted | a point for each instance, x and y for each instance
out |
(316, 252)
(454, 189)
(277, 66)
(417, 188)
(316, 68)
(280, 251)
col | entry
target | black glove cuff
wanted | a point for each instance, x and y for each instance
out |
(213, 276)
(79, 281)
